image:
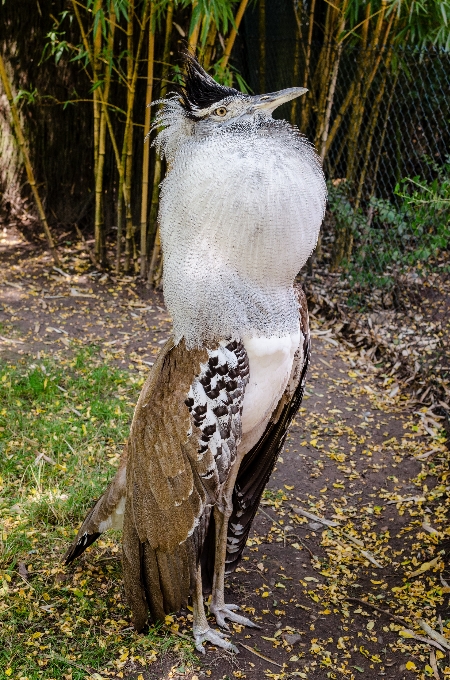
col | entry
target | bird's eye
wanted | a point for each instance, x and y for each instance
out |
(221, 111)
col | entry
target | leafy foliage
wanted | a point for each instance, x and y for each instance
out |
(395, 235)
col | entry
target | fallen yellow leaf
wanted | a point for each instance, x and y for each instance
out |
(426, 566)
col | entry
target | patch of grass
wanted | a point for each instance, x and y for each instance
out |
(63, 423)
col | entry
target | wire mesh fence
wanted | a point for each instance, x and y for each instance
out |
(384, 134)
(381, 270)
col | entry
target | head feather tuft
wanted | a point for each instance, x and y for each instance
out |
(200, 90)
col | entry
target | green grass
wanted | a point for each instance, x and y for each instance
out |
(63, 423)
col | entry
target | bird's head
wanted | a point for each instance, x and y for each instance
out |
(202, 106)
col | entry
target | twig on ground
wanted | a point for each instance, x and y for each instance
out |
(329, 523)
(284, 530)
(398, 619)
(402, 622)
(261, 656)
(314, 518)
(433, 665)
(434, 634)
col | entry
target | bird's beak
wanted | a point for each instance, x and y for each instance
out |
(269, 102)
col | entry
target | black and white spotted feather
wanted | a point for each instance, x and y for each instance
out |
(215, 402)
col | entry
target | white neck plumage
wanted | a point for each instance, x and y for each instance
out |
(240, 213)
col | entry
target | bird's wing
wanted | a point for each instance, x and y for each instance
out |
(258, 464)
(107, 512)
(183, 441)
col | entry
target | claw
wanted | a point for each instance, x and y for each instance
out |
(226, 611)
(216, 638)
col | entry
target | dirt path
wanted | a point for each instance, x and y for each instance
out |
(351, 457)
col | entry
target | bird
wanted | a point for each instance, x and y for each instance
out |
(241, 208)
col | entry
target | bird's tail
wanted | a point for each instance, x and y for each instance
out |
(107, 513)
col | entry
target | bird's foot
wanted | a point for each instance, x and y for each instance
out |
(215, 637)
(227, 611)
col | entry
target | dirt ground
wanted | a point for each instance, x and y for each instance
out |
(361, 454)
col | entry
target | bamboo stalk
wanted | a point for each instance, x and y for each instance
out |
(306, 103)
(127, 148)
(383, 133)
(333, 80)
(262, 45)
(351, 91)
(358, 102)
(371, 131)
(100, 243)
(146, 153)
(339, 117)
(294, 105)
(108, 122)
(96, 67)
(298, 39)
(158, 169)
(233, 33)
(194, 34)
(98, 220)
(332, 89)
(209, 47)
(26, 159)
(321, 80)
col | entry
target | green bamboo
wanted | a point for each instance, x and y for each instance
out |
(158, 169)
(146, 153)
(233, 33)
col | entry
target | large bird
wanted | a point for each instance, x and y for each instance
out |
(240, 212)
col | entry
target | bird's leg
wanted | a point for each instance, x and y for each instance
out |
(222, 515)
(202, 631)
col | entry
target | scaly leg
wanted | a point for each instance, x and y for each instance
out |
(202, 631)
(222, 514)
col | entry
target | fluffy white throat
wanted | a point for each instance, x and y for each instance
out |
(240, 213)
(270, 360)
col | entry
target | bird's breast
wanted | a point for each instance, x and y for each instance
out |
(270, 363)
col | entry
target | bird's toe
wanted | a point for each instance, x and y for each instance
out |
(227, 611)
(216, 638)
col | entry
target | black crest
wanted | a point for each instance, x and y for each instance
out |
(199, 90)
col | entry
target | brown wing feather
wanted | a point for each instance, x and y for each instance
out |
(183, 440)
(98, 518)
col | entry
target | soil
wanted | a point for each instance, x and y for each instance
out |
(353, 447)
